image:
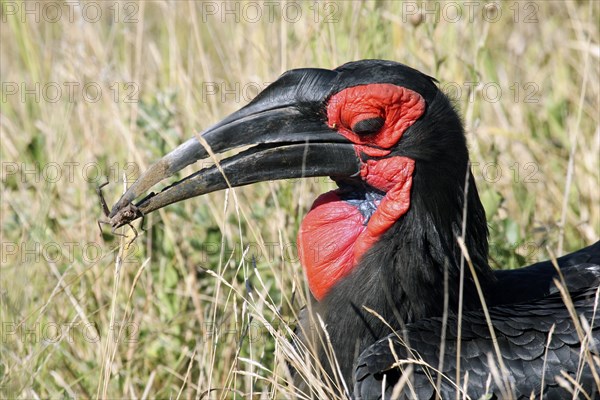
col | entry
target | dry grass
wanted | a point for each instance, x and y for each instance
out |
(172, 315)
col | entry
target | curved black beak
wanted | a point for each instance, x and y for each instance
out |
(286, 125)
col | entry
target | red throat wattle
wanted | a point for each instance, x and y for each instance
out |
(335, 235)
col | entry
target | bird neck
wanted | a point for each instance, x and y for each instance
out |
(415, 268)
(422, 255)
(412, 272)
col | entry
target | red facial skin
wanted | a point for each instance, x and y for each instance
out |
(399, 106)
(333, 236)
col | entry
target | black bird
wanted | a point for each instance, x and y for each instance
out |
(388, 254)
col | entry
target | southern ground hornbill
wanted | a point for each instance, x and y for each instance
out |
(398, 253)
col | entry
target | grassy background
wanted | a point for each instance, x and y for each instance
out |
(183, 310)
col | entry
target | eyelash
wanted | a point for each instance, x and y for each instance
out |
(368, 126)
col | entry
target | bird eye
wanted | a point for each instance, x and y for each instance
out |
(368, 126)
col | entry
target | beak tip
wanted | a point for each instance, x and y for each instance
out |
(153, 175)
(123, 213)
(119, 205)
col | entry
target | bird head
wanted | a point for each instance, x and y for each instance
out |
(380, 129)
